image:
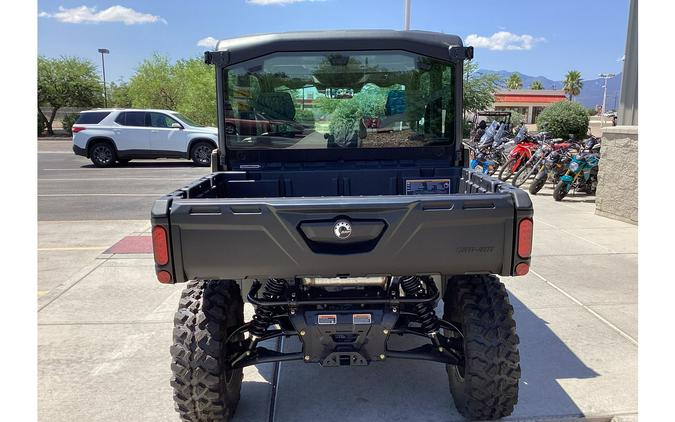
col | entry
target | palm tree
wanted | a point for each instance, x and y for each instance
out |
(514, 81)
(536, 85)
(573, 83)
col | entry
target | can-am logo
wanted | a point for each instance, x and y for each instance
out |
(475, 249)
(342, 229)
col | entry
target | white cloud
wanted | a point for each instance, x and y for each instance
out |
(84, 14)
(503, 40)
(277, 2)
(208, 42)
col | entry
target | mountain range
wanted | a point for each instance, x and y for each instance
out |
(591, 92)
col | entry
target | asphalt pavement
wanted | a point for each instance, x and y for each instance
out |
(70, 188)
(105, 323)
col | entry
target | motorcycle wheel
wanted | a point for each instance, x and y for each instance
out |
(560, 191)
(523, 174)
(538, 182)
(507, 171)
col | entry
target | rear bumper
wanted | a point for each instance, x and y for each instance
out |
(79, 151)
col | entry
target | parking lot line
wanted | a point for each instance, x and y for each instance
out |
(591, 311)
(73, 248)
(62, 195)
(111, 179)
(163, 168)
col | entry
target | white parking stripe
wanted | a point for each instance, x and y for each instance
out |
(109, 179)
(61, 195)
(127, 168)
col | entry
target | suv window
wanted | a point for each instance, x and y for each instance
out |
(131, 118)
(161, 120)
(91, 118)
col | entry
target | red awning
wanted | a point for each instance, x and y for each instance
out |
(506, 98)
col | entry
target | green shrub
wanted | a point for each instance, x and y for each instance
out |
(68, 122)
(304, 116)
(564, 118)
(42, 124)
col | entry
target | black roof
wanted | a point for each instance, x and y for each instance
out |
(432, 44)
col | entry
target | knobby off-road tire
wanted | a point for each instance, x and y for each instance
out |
(485, 385)
(202, 390)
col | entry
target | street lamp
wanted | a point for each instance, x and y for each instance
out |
(406, 15)
(605, 76)
(105, 92)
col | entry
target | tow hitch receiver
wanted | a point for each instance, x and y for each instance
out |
(344, 338)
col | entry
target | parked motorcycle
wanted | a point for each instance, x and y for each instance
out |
(537, 163)
(488, 154)
(519, 155)
(554, 166)
(582, 172)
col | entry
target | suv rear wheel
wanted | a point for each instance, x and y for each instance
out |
(208, 312)
(201, 153)
(102, 154)
(485, 383)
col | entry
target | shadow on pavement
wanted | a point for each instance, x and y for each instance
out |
(416, 390)
(149, 164)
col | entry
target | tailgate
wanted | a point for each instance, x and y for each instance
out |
(389, 235)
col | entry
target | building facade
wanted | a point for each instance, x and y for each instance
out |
(528, 102)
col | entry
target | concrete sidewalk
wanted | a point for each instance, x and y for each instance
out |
(105, 330)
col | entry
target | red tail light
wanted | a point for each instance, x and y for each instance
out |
(76, 129)
(160, 245)
(164, 277)
(521, 269)
(525, 238)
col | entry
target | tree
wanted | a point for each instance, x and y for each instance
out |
(573, 83)
(479, 89)
(197, 95)
(153, 84)
(514, 81)
(118, 95)
(536, 85)
(188, 86)
(563, 118)
(66, 81)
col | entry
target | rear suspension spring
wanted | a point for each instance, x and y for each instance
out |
(273, 290)
(413, 286)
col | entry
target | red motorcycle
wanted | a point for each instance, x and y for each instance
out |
(520, 154)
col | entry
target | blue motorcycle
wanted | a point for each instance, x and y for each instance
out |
(582, 172)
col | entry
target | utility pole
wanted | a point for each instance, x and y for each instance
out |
(105, 91)
(406, 14)
(604, 76)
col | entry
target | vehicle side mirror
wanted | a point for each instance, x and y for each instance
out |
(176, 125)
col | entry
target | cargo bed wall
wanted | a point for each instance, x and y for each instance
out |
(310, 182)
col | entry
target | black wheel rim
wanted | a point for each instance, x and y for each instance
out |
(102, 154)
(202, 154)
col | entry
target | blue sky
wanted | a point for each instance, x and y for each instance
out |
(538, 38)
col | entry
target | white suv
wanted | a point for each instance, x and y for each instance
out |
(107, 136)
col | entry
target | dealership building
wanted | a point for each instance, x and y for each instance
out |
(528, 102)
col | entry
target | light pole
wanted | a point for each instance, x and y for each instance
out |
(604, 76)
(406, 15)
(105, 91)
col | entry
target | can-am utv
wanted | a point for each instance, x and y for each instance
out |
(341, 234)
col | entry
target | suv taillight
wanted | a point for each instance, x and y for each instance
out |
(76, 129)
(160, 245)
(525, 238)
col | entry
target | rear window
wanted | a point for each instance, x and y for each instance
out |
(92, 118)
(131, 118)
